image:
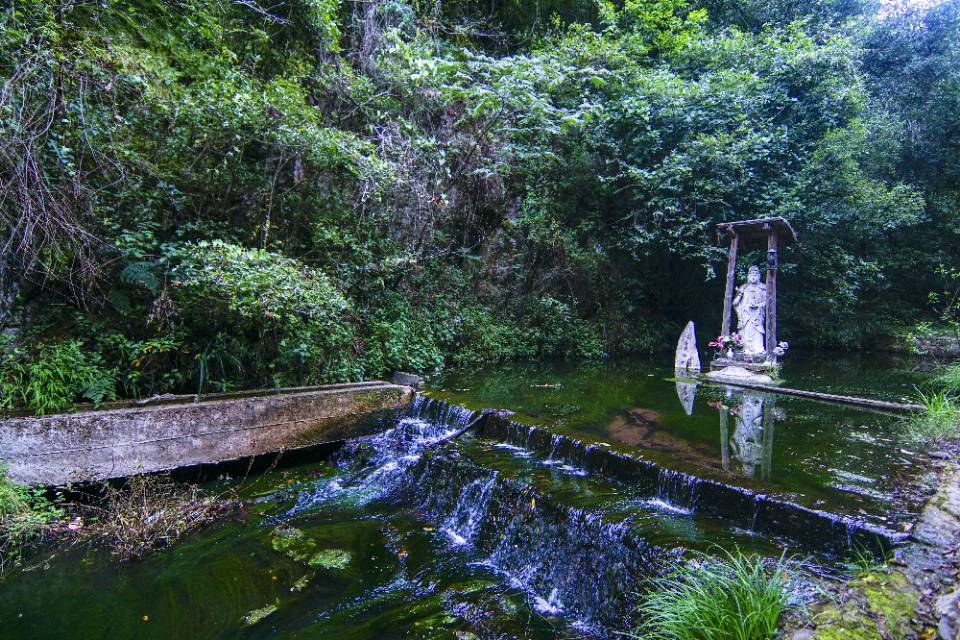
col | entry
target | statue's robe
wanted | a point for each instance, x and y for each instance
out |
(751, 305)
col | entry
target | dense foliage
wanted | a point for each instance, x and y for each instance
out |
(205, 194)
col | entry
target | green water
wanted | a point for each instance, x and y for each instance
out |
(404, 575)
(404, 579)
(827, 456)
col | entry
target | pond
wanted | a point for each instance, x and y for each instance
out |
(828, 456)
(396, 537)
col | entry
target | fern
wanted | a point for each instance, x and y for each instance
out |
(141, 273)
(54, 376)
(100, 387)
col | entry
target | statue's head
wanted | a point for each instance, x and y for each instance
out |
(753, 274)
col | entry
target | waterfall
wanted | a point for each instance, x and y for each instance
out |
(567, 560)
(678, 489)
(464, 521)
(380, 462)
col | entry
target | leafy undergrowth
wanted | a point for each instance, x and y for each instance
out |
(26, 516)
(949, 377)
(738, 598)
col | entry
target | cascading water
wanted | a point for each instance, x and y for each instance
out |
(568, 560)
(462, 524)
(380, 462)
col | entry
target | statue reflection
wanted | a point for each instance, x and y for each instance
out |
(750, 447)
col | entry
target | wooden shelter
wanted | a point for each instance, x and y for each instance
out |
(751, 235)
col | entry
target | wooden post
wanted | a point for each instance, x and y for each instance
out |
(724, 438)
(772, 265)
(731, 275)
(767, 437)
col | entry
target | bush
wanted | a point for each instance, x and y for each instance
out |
(25, 513)
(53, 376)
(150, 512)
(295, 321)
(738, 598)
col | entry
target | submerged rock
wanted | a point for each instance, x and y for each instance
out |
(331, 559)
(293, 543)
(257, 615)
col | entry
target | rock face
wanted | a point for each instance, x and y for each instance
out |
(687, 359)
(738, 374)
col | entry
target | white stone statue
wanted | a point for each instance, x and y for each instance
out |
(751, 305)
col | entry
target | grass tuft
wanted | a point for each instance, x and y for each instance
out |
(864, 562)
(739, 597)
(939, 419)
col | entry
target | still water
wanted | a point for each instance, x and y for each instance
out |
(839, 458)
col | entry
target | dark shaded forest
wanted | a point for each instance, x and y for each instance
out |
(203, 195)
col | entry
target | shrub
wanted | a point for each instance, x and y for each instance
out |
(149, 512)
(25, 513)
(293, 314)
(737, 598)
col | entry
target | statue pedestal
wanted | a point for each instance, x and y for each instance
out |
(758, 365)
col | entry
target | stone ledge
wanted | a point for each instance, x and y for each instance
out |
(98, 445)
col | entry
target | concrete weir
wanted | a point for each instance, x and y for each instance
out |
(118, 442)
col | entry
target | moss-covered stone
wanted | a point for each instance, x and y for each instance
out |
(293, 543)
(333, 559)
(257, 615)
(302, 583)
(878, 605)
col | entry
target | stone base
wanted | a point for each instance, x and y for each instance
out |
(736, 374)
(770, 368)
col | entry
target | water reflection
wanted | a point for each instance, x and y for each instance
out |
(687, 392)
(751, 445)
(746, 447)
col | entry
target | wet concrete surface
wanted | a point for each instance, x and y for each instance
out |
(98, 445)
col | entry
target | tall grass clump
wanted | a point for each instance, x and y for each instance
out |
(739, 597)
(939, 419)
